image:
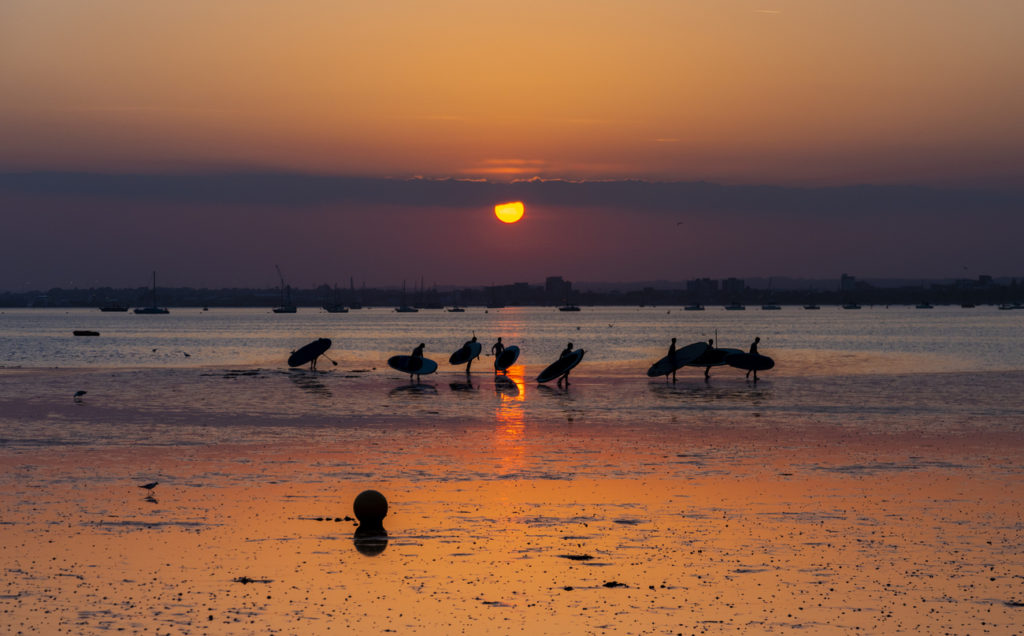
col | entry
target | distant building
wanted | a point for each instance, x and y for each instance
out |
(557, 289)
(703, 287)
(733, 287)
(847, 283)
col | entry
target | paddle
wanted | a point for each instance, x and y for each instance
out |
(332, 361)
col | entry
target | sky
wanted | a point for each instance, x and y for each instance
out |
(648, 140)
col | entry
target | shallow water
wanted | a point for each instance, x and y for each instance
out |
(827, 341)
(872, 481)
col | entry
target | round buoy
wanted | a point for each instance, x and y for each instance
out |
(370, 508)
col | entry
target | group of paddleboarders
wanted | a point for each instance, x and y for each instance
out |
(696, 354)
(699, 354)
(415, 364)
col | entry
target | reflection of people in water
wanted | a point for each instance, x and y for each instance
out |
(465, 347)
(707, 369)
(565, 376)
(672, 359)
(753, 351)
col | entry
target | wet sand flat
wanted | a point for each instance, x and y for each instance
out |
(549, 521)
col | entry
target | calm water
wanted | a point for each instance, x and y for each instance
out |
(877, 368)
(981, 339)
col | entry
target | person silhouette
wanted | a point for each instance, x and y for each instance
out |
(565, 376)
(417, 361)
(753, 351)
(672, 359)
(497, 348)
(707, 369)
(465, 347)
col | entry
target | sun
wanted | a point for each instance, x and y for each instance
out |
(509, 212)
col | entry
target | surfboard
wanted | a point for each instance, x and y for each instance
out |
(465, 353)
(713, 357)
(310, 352)
(689, 353)
(85, 332)
(749, 361)
(507, 358)
(560, 366)
(410, 365)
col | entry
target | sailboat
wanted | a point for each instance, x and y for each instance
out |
(152, 309)
(404, 308)
(336, 307)
(286, 307)
(770, 305)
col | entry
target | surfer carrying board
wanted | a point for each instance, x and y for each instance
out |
(496, 350)
(417, 360)
(753, 351)
(565, 376)
(468, 348)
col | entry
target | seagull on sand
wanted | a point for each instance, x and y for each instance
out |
(78, 396)
(150, 486)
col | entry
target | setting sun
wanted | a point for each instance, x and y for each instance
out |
(509, 212)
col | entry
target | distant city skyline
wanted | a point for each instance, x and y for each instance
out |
(230, 230)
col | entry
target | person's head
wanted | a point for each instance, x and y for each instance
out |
(473, 339)
(569, 346)
(422, 345)
(673, 340)
(757, 339)
(499, 338)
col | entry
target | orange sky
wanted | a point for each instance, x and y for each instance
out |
(797, 91)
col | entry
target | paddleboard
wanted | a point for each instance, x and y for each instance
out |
(713, 357)
(85, 332)
(560, 366)
(749, 361)
(687, 354)
(410, 365)
(310, 352)
(507, 358)
(465, 353)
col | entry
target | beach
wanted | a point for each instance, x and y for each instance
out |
(879, 499)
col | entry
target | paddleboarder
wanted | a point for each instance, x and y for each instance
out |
(497, 348)
(417, 361)
(753, 351)
(707, 369)
(565, 376)
(466, 348)
(672, 359)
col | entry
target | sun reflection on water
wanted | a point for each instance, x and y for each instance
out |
(510, 432)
